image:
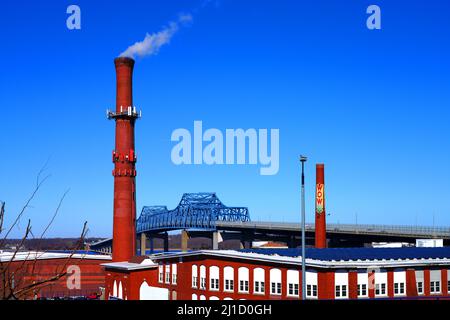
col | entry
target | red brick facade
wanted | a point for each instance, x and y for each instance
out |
(84, 276)
(184, 290)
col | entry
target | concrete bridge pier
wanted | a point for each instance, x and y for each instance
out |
(143, 243)
(216, 239)
(246, 240)
(152, 245)
(166, 241)
(184, 240)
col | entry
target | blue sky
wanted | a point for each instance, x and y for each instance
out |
(373, 105)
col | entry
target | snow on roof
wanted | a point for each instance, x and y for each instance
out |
(6, 256)
(332, 257)
(126, 265)
(100, 242)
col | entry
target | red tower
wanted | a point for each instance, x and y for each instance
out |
(321, 236)
(124, 159)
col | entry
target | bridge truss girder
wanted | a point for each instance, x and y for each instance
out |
(195, 211)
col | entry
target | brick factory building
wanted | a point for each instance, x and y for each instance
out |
(256, 274)
(83, 274)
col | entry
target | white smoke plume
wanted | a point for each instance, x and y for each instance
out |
(153, 42)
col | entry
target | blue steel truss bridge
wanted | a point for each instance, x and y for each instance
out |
(199, 211)
(204, 215)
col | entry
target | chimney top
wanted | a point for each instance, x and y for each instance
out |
(124, 60)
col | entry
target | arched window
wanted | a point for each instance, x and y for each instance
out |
(228, 298)
(174, 273)
(174, 295)
(202, 297)
(228, 278)
(144, 291)
(213, 298)
(168, 273)
(194, 296)
(259, 280)
(243, 279)
(119, 291)
(214, 278)
(275, 281)
(203, 277)
(115, 289)
(160, 273)
(292, 283)
(147, 292)
(194, 276)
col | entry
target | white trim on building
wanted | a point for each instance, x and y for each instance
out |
(362, 284)
(194, 278)
(292, 283)
(275, 281)
(259, 281)
(202, 277)
(399, 283)
(381, 283)
(228, 279)
(243, 275)
(214, 278)
(341, 284)
(311, 285)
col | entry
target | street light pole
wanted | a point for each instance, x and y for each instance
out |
(303, 160)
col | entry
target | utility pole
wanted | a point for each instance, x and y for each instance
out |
(303, 160)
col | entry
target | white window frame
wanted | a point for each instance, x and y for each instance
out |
(362, 283)
(259, 285)
(435, 282)
(194, 278)
(114, 293)
(174, 273)
(311, 285)
(202, 277)
(341, 285)
(161, 273)
(243, 276)
(275, 282)
(399, 283)
(292, 283)
(167, 271)
(228, 279)
(448, 281)
(214, 278)
(420, 279)
(381, 284)
(421, 291)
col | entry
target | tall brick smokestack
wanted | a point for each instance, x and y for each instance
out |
(124, 159)
(321, 237)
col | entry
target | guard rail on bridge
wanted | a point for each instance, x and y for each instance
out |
(369, 229)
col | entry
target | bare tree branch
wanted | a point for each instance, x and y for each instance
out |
(38, 285)
(2, 215)
(11, 277)
(55, 213)
(36, 189)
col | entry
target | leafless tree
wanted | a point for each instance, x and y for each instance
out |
(17, 280)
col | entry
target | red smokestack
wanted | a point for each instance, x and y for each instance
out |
(321, 236)
(124, 159)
